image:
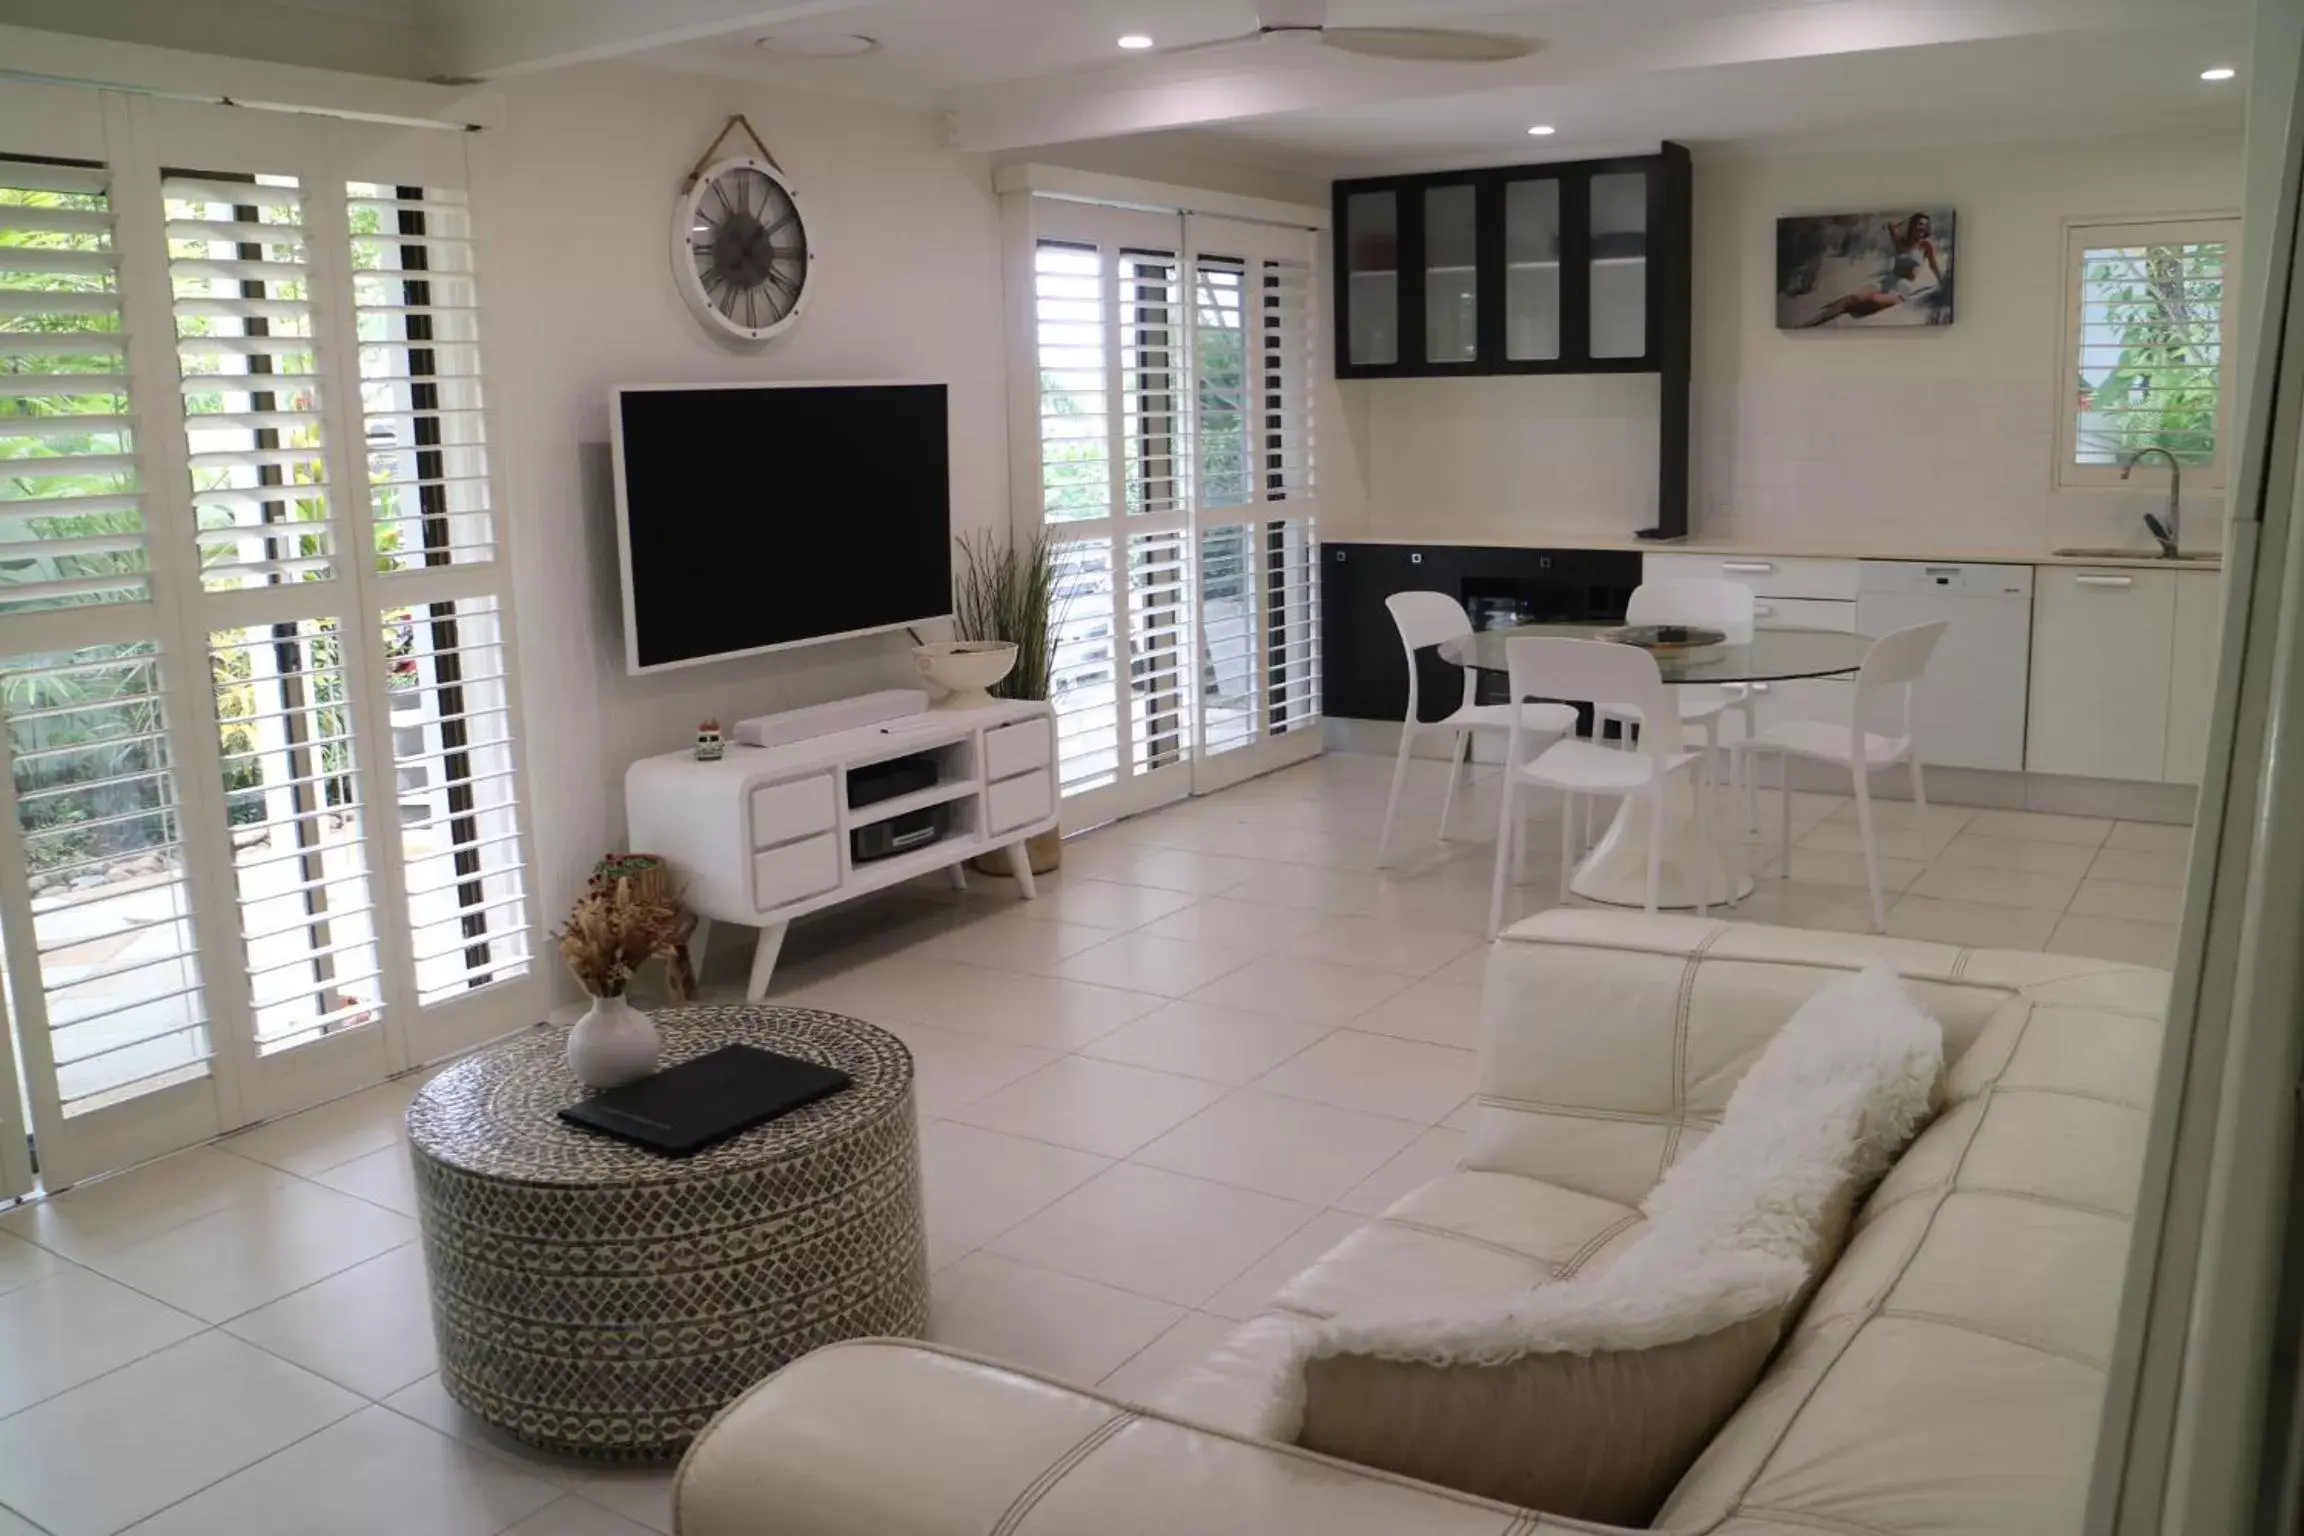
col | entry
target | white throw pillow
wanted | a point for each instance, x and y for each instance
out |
(1834, 1098)
(1737, 1230)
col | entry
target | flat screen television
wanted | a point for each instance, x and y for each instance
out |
(754, 517)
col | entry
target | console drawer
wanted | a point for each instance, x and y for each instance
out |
(1017, 802)
(795, 871)
(1015, 749)
(782, 812)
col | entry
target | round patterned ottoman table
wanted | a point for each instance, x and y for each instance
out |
(595, 1299)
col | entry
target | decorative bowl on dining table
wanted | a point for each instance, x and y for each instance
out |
(1667, 639)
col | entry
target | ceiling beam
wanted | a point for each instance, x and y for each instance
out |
(1594, 41)
(517, 37)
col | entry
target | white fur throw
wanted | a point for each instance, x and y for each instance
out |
(1738, 1227)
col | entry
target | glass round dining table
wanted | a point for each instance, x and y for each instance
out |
(1770, 656)
(1616, 870)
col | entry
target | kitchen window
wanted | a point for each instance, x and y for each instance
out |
(2147, 360)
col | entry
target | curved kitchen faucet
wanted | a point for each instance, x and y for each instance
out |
(2169, 532)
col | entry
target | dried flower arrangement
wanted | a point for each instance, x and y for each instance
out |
(615, 928)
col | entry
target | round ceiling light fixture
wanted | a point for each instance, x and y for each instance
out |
(1135, 42)
(1543, 130)
(2219, 72)
(817, 45)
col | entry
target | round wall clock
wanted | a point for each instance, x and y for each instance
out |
(740, 249)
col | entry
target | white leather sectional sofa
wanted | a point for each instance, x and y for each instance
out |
(1945, 1378)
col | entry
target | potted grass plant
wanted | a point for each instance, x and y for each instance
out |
(1006, 591)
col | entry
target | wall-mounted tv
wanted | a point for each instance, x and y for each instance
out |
(758, 516)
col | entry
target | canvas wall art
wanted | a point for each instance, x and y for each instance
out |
(1864, 269)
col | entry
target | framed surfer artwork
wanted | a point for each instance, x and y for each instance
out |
(1864, 270)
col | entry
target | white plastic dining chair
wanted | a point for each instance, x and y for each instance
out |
(1427, 619)
(1593, 671)
(1892, 668)
(1707, 603)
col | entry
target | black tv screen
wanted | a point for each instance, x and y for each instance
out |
(757, 516)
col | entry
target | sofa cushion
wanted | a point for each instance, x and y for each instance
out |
(1589, 1392)
(1599, 1436)
(1949, 1372)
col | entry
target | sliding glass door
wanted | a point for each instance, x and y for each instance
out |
(258, 842)
(1168, 361)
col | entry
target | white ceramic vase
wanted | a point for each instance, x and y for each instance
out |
(613, 1043)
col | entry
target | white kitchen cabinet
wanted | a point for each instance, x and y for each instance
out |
(2192, 672)
(2103, 642)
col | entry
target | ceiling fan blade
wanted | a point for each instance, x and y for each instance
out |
(1183, 49)
(1430, 45)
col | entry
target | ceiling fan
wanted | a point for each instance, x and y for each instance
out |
(1306, 21)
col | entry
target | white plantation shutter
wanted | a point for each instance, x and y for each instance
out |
(1170, 362)
(299, 854)
(1088, 652)
(264, 807)
(1254, 340)
(1285, 442)
(1161, 718)
(2147, 346)
(417, 311)
(71, 505)
(240, 267)
(458, 785)
(105, 971)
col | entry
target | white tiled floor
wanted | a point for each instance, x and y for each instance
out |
(1218, 1041)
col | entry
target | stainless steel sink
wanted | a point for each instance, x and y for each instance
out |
(2138, 554)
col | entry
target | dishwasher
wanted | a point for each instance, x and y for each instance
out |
(1968, 712)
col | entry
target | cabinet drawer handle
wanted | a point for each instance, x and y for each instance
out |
(2105, 581)
(1759, 687)
(1747, 567)
(1763, 610)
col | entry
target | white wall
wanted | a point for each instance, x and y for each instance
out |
(575, 200)
(1943, 434)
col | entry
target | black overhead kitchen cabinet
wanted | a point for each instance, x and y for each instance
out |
(1577, 267)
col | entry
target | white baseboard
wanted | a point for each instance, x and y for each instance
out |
(1980, 787)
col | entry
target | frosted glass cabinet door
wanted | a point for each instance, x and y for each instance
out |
(1372, 275)
(1451, 275)
(1619, 255)
(1532, 271)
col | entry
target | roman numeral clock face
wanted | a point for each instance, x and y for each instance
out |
(740, 250)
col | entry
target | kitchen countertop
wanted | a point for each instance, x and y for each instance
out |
(1731, 549)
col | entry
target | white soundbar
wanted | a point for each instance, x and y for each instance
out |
(828, 719)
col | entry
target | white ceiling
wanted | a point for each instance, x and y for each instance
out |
(1611, 74)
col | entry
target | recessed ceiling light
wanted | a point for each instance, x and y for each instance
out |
(2220, 72)
(1543, 130)
(817, 45)
(1135, 42)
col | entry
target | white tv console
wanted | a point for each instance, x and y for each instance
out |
(761, 836)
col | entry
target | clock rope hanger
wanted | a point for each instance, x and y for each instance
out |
(740, 251)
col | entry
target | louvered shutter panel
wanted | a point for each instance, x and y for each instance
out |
(71, 506)
(444, 648)
(1286, 434)
(1161, 718)
(1083, 677)
(299, 848)
(119, 1007)
(416, 301)
(457, 779)
(240, 269)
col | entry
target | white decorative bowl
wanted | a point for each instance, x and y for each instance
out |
(967, 668)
